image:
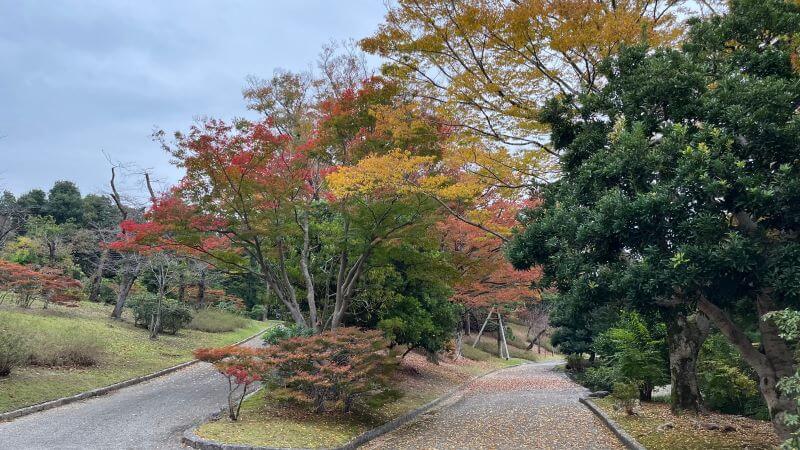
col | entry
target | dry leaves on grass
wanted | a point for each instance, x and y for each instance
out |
(689, 433)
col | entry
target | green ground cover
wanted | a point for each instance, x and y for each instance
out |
(122, 350)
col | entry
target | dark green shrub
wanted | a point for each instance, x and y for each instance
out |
(282, 332)
(174, 314)
(599, 378)
(12, 352)
(636, 351)
(727, 383)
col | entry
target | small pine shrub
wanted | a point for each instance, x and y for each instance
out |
(282, 332)
(257, 312)
(12, 352)
(626, 396)
(216, 321)
(575, 362)
(728, 384)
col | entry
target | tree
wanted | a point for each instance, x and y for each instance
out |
(64, 203)
(47, 284)
(486, 281)
(34, 202)
(680, 182)
(490, 65)
(12, 216)
(242, 366)
(99, 212)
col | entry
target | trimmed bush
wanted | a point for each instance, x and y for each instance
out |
(598, 378)
(216, 321)
(282, 332)
(330, 369)
(626, 396)
(68, 347)
(174, 314)
(12, 352)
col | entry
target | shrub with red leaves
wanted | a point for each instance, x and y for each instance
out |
(331, 368)
(48, 284)
(334, 367)
(242, 366)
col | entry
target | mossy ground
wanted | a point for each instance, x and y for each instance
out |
(266, 423)
(687, 434)
(127, 351)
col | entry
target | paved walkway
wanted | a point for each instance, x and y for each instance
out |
(151, 415)
(525, 407)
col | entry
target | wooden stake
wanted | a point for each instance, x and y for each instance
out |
(502, 332)
(478, 339)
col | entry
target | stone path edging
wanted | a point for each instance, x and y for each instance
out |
(623, 436)
(10, 415)
(191, 439)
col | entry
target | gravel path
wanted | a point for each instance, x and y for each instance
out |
(525, 407)
(151, 415)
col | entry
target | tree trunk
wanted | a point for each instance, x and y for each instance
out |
(309, 280)
(459, 343)
(181, 286)
(124, 289)
(201, 289)
(773, 362)
(685, 335)
(97, 277)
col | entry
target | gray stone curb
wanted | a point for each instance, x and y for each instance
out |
(193, 440)
(623, 436)
(10, 415)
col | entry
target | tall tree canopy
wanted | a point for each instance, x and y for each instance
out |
(680, 184)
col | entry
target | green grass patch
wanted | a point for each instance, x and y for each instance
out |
(265, 424)
(124, 351)
(217, 321)
(687, 434)
(488, 345)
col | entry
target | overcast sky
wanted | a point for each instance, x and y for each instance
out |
(79, 77)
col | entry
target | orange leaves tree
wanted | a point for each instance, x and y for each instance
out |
(236, 205)
(241, 366)
(334, 367)
(489, 65)
(257, 199)
(47, 284)
(330, 368)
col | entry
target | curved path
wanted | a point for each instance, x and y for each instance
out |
(524, 407)
(150, 415)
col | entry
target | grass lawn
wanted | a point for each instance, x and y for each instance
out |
(126, 351)
(418, 381)
(687, 434)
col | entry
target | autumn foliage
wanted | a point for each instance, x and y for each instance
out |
(323, 370)
(47, 284)
(242, 366)
(487, 279)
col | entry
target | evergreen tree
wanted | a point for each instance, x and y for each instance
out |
(681, 185)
